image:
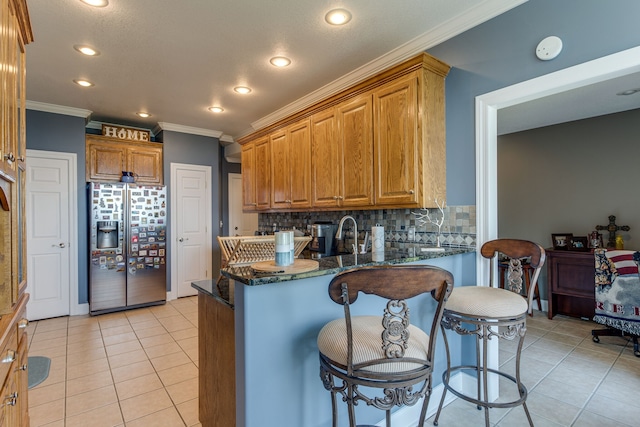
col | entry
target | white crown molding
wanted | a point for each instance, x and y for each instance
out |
(226, 140)
(187, 129)
(58, 109)
(482, 12)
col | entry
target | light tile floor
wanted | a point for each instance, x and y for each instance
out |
(139, 368)
(133, 368)
(572, 381)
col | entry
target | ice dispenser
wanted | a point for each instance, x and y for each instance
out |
(107, 234)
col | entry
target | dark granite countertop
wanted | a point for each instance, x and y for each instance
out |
(328, 265)
(336, 264)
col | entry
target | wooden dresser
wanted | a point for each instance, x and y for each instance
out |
(571, 283)
(15, 34)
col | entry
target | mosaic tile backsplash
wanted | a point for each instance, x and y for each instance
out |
(458, 228)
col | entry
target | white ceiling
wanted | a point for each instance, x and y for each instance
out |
(584, 102)
(174, 59)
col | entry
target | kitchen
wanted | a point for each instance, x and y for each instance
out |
(55, 131)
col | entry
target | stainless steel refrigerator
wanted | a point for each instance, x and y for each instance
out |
(128, 235)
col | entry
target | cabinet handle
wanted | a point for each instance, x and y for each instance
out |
(287, 201)
(11, 157)
(335, 197)
(23, 323)
(411, 192)
(10, 357)
(340, 197)
(23, 367)
(21, 158)
(12, 399)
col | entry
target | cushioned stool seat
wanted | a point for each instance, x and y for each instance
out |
(367, 330)
(486, 302)
(488, 312)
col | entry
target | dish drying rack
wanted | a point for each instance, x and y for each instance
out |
(246, 250)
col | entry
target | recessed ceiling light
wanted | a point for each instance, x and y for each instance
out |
(96, 3)
(216, 109)
(242, 89)
(143, 114)
(84, 83)
(280, 61)
(628, 92)
(338, 16)
(86, 50)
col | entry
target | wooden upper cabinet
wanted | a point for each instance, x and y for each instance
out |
(380, 143)
(263, 174)
(355, 138)
(256, 179)
(15, 34)
(248, 164)
(396, 139)
(107, 158)
(280, 171)
(146, 162)
(325, 176)
(299, 136)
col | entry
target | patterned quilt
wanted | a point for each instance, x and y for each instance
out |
(618, 289)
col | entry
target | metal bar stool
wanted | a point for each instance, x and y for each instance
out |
(487, 312)
(381, 352)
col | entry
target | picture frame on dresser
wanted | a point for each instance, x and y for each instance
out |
(579, 243)
(561, 241)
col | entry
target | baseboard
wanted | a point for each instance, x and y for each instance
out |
(410, 415)
(79, 309)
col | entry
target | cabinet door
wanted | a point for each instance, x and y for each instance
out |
(280, 171)
(22, 382)
(299, 136)
(356, 144)
(395, 145)
(326, 167)
(9, 54)
(105, 161)
(263, 174)
(146, 163)
(248, 164)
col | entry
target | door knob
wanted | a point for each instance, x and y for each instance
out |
(59, 245)
(181, 240)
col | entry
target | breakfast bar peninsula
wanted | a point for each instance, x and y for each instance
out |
(258, 357)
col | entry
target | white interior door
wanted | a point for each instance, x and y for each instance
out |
(50, 220)
(191, 225)
(240, 223)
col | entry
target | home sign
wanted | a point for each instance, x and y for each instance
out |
(130, 134)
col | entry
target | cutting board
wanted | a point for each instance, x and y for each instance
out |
(298, 266)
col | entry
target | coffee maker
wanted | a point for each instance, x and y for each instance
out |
(323, 242)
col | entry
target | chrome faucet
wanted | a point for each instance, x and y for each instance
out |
(355, 231)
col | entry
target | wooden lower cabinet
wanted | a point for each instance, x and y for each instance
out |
(571, 283)
(14, 367)
(217, 360)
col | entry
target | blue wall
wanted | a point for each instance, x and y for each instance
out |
(195, 150)
(61, 133)
(56, 132)
(501, 52)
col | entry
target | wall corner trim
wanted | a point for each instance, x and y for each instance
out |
(58, 109)
(186, 129)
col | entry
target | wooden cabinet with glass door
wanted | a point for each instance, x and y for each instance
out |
(15, 34)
